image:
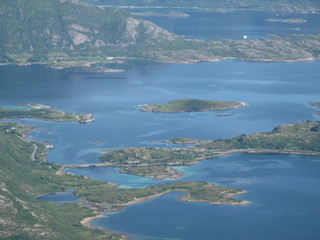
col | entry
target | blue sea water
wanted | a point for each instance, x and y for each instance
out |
(233, 25)
(283, 189)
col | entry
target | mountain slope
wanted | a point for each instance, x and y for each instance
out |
(36, 30)
(73, 34)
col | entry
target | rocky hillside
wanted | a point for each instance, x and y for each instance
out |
(39, 29)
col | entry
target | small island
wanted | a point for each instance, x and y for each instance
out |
(46, 113)
(287, 20)
(191, 105)
(316, 104)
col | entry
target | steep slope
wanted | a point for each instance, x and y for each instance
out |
(36, 30)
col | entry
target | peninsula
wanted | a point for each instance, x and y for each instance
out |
(299, 138)
(191, 105)
(46, 113)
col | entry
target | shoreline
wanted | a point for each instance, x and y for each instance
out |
(118, 207)
(148, 108)
(89, 70)
(88, 117)
(86, 222)
(231, 195)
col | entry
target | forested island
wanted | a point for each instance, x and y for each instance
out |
(191, 105)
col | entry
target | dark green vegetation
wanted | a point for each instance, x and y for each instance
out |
(23, 179)
(74, 35)
(299, 137)
(43, 114)
(279, 5)
(316, 104)
(191, 105)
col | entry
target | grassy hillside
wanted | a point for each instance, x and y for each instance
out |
(39, 30)
(291, 137)
(22, 180)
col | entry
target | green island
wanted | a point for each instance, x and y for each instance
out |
(316, 104)
(191, 105)
(43, 112)
(27, 175)
(300, 138)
